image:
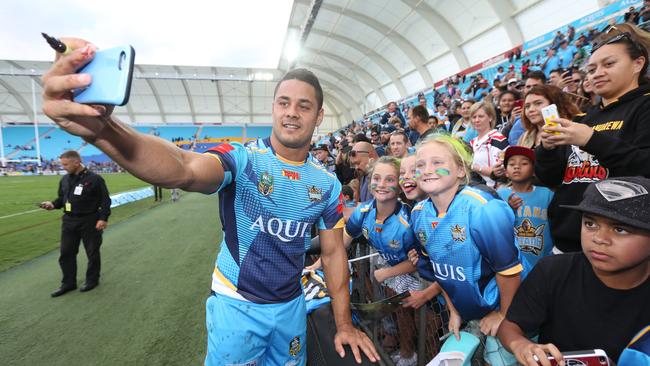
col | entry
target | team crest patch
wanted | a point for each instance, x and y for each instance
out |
(364, 231)
(290, 174)
(458, 233)
(530, 238)
(434, 225)
(422, 237)
(315, 194)
(294, 346)
(394, 244)
(265, 184)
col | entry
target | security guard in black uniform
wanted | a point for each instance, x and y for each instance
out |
(86, 205)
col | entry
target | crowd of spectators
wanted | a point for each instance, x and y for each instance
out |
(496, 136)
(53, 166)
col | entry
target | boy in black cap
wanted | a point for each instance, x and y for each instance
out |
(597, 298)
(322, 154)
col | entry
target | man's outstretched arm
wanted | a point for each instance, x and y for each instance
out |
(149, 158)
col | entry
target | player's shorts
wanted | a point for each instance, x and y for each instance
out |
(250, 334)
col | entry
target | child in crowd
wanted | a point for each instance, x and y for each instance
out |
(348, 196)
(413, 194)
(468, 236)
(530, 203)
(596, 298)
(384, 222)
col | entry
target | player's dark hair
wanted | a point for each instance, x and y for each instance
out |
(306, 76)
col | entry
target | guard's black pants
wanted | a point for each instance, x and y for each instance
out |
(74, 230)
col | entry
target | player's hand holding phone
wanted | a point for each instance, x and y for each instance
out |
(69, 83)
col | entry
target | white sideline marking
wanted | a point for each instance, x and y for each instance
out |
(19, 213)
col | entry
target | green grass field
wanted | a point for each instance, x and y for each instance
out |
(157, 261)
(31, 234)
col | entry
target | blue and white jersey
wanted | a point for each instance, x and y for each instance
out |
(467, 246)
(532, 230)
(267, 206)
(393, 238)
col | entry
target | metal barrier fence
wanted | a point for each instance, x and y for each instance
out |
(405, 331)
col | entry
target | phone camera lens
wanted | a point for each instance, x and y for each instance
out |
(122, 59)
(602, 360)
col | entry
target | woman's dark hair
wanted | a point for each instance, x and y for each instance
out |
(514, 94)
(636, 40)
(565, 106)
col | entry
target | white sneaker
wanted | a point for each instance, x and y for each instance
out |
(411, 361)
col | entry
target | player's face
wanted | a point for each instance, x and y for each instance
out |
(295, 114)
(407, 180)
(384, 183)
(481, 121)
(436, 170)
(533, 108)
(519, 169)
(612, 247)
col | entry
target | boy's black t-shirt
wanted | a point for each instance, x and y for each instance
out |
(570, 307)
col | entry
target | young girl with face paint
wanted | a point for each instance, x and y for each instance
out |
(413, 194)
(384, 222)
(468, 236)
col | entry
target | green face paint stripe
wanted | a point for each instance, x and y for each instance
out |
(393, 188)
(442, 171)
(373, 185)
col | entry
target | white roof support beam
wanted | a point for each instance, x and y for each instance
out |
(29, 111)
(342, 109)
(352, 85)
(156, 96)
(504, 10)
(400, 41)
(220, 96)
(335, 91)
(373, 56)
(447, 32)
(333, 111)
(188, 95)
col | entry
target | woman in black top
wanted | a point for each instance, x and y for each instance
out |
(612, 139)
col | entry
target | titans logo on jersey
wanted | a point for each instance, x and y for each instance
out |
(267, 206)
(467, 246)
(393, 238)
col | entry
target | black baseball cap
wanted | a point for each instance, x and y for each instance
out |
(622, 199)
(321, 147)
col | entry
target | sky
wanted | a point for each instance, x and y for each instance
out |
(233, 33)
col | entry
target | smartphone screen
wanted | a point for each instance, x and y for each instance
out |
(595, 357)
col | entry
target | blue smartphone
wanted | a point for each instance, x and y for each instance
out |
(112, 72)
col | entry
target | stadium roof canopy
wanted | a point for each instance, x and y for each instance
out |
(366, 53)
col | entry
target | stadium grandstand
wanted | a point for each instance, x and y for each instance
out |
(383, 66)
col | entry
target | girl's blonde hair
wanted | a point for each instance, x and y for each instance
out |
(459, 151)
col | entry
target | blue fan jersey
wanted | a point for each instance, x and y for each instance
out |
(532, 230)
(267, 206)
(467, 246)
(393, 238)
